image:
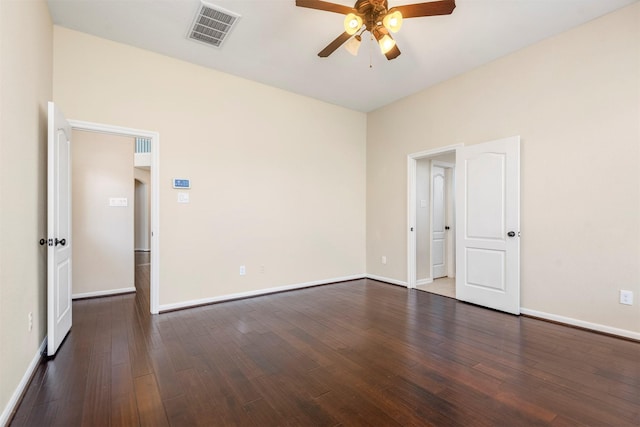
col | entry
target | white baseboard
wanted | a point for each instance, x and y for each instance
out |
(22, 386)
(228, 297)
(104, 293)
(424, 281)
(581, 323)
(388, 280)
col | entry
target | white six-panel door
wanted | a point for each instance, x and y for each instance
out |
(488, 224)
(58, 230)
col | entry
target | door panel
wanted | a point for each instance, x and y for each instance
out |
(485, 268)
(59, 263)
(485, 196)
(488, 195)
(438, 246)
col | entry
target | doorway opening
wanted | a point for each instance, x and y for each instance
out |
(152, 193)
(431, 218)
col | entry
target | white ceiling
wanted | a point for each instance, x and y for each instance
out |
(276, 43)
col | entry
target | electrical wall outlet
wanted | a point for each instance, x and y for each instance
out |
(30, 321)
(626, 297)
(383, 259)
(243, 270)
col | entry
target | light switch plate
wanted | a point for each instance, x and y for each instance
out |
(183, 197)
(118, 201)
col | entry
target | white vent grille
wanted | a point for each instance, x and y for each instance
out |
(212, 25)
(143, 145)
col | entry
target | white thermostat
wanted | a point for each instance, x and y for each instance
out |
(181, 183)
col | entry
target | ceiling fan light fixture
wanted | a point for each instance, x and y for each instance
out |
(393, 21)
(353, 45)
(386, 43)
(376, 17)
(352, 23)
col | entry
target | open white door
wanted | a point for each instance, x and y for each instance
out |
(488, 224)
(58, 230)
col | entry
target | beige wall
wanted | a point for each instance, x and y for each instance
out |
(25, 88)
(102, 168)
(278, 180)
(575, 101)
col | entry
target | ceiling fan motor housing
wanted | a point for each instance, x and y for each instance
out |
(372, 12)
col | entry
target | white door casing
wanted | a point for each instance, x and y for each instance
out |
(412, 204)
(59, 263)
(488, 224)
(438, 222)
(154, 271)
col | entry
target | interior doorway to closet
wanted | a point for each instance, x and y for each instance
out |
(432, 213)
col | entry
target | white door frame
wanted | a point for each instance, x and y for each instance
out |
(449, 184)
(412, 160)
(154, 289)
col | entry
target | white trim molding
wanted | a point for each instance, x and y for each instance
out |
(259, 292)
(426, 281)
(581, 324)
(387, 280)
(104, 293)
(22, 386)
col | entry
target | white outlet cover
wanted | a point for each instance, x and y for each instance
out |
(626, 297)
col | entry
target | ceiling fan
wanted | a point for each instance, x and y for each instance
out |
(376, 17)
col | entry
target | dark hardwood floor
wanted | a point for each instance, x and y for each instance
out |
(353, 353)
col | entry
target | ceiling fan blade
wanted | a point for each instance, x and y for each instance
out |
(325, 5)
(393, 53)
(442, 7)
(331, 47)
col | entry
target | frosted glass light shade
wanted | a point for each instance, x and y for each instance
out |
(352, 23)
(393, 21)
(386, 43)
(353, 45)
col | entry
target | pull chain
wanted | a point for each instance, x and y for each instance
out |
(370, 55)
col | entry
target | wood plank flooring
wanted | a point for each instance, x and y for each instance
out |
(353, 353)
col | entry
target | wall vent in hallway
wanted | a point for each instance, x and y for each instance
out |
(212, 24)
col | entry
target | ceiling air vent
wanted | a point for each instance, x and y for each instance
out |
(212, 24)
